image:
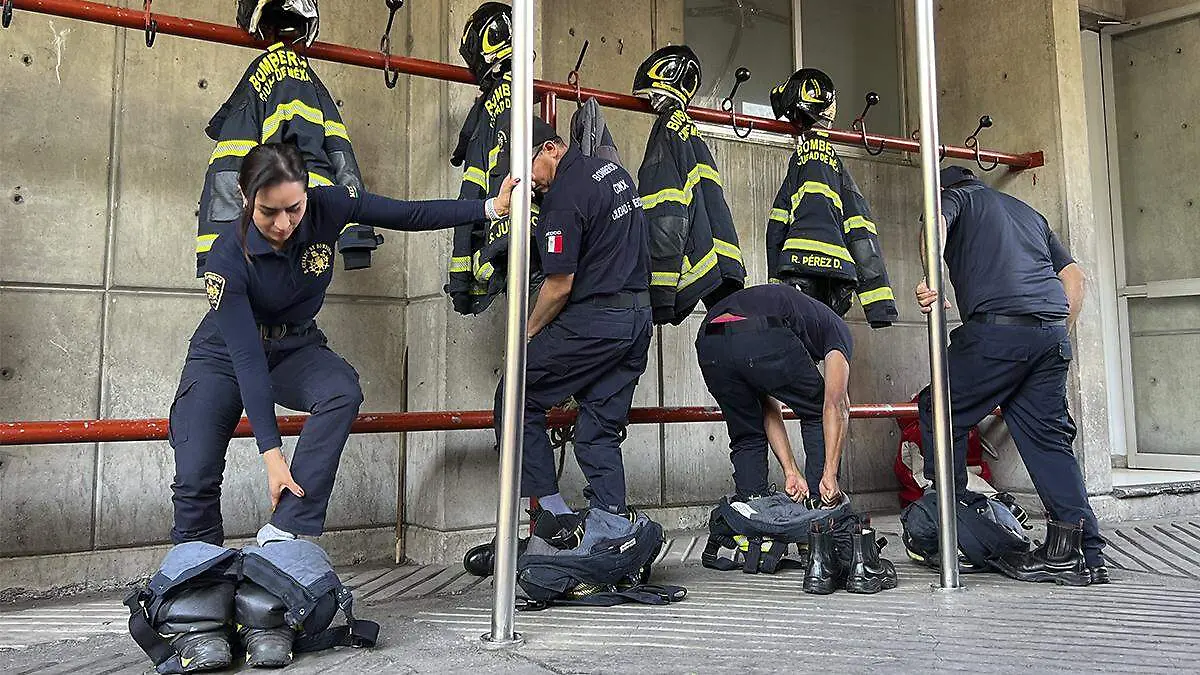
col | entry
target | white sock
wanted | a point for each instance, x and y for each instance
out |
(269, 533)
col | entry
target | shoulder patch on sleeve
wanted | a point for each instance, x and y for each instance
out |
(214, 288)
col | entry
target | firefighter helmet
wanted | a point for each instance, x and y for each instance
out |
(808, 99)
(294, 20)
(673, 72)
(487, 41)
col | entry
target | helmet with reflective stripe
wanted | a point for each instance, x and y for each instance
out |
(487, 41)
(293, 20)
(808, 99)
(673, 71)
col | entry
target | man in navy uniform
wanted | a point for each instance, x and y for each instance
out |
(760, 346)
(589, 331)
(1019, 293)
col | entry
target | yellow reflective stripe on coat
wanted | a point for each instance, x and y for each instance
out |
(877, 295)
(813, 187)
(475, 175)
(232, 148)
(664, 279)
(727, 249)
(460, 264)
(204, 242)
(485, 272)
(709, 172)
(780, 215)
(315, 179)
(697, 271)
(290, 110)
(493, 157)
(683, 196)
(797, 244)
(861, 223)
(338, 129)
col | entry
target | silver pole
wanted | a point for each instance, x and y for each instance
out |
(512, 425)
(939, 378)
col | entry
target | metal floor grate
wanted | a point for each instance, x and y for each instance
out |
(1169, 549)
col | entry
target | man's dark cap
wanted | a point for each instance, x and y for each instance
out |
(954, 174)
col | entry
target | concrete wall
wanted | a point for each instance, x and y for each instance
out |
(1160, 208)
(98, 327)
(1139, 8)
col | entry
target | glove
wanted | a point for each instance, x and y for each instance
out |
(880, 324)
(663, 315)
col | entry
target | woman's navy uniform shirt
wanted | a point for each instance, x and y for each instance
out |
(288, 286)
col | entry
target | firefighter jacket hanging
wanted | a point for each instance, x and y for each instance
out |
(479, 259)
(278, 100)
(693, 242)
(820, 226)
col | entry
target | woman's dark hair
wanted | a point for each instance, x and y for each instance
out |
(266, 166)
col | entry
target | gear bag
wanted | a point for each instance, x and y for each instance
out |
(760, 531)
(987, 529)
(194, 591)
(611, 566)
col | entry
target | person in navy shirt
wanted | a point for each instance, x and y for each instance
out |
(760, 346)
(1018, 292)
(589, 331)
(259, 343)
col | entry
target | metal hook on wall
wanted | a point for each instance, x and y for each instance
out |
(390, 77)
(7, 17)
(151, 24)
(985, 122)
(740, 75)
(573, 76)
(916, 136)
(860, 125)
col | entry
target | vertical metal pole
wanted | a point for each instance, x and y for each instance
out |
(512, 425)
(939, 377)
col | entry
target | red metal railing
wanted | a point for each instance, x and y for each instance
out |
(94, 431)
(231, 35)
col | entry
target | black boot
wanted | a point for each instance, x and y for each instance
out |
(206, 650)
(820, 577)
(1099, 574)
(877, 564)
(1060, 559)
(481, 560)
(562, 531)
(268, 647)
(858, 578)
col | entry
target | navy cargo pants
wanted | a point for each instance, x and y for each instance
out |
(744, 362)
(306, 376)
(596, 354)
(1022, 369)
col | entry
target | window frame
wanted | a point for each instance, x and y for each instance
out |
(725, 132)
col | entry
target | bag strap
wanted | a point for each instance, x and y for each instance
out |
(165, 658)
(355, 633)
(646, 594)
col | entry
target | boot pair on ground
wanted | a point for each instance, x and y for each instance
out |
(562, 531)
(865, 572)
(210, 650)
(1059, 560)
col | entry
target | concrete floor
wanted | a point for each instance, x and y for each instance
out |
(432, 618)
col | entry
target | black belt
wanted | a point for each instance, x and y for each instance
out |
(275, 332)
(748, 323)
(1007, 320)
(622, 300)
